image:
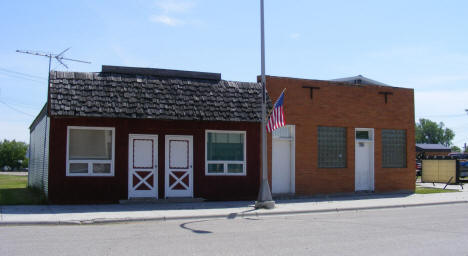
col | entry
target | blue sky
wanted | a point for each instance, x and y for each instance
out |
(415, 44)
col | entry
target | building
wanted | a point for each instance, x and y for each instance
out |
(424, 150)
(127, 133)
(352, 134)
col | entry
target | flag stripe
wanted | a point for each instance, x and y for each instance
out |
(276, 119)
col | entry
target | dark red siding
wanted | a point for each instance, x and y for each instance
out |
(63, 189)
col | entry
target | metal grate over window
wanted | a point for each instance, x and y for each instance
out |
(393, 148)
(331, 147)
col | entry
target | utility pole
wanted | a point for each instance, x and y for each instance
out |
(264, 195)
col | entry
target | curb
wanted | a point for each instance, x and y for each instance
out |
(220, 216)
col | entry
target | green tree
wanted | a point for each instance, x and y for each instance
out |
(13, 154)
(431, 132)
(455, 149)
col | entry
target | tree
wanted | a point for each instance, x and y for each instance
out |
(431, 132)
(13, 154)
(455, 149)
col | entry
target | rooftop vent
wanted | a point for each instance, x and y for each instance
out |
(161, 72)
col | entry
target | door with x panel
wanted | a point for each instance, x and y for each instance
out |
(142, 166)
(179, 162)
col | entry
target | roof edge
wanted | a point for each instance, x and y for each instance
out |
(38, 118)
(161, 72)
(336, 82)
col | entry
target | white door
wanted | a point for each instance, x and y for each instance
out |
(283, 160)
(179, 162)
(142, 166)
(364, 160)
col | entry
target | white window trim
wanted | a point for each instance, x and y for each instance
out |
(225, 173)
(91, 162)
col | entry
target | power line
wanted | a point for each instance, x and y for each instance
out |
(22, 74)
(15, 109)
(21, 77)
(19, 102)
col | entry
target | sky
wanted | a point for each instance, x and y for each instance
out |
(413, 44)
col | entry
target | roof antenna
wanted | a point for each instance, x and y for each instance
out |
(59, 57)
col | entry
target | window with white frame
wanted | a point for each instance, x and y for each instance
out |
(90, 151)
(225, 153)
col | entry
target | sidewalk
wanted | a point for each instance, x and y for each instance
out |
(89, 214)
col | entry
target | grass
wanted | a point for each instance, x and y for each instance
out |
(14, 191)
(424, 190)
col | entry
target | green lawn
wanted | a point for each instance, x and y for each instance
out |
(421, 190)
(13, 190)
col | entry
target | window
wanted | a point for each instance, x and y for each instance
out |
(225, 153)
(90, 151)
(362, 135)
(393, 148)
(331, 147)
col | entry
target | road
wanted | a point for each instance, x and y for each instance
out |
(428, 230)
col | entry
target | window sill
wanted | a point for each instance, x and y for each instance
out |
(225, 174)
(91, 175)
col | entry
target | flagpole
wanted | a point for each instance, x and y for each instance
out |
(264, 199)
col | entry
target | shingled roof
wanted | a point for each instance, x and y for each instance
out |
(117, 95)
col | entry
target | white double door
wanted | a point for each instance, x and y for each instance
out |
(143, 166)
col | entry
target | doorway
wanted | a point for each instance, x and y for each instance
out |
(283, 160)
(364, 159)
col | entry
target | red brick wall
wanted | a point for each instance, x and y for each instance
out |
(350, 106)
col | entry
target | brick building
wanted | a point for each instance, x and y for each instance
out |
(352, 134)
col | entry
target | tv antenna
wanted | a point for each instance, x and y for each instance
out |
(59, 57)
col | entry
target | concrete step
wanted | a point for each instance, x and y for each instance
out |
(151, 200)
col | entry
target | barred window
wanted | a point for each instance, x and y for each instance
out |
(393, 148)
(331, 147)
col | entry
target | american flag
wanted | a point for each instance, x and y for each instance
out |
(277, 115)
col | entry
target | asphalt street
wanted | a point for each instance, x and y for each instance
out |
(425, 230)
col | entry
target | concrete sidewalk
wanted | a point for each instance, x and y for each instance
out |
(88, 214)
